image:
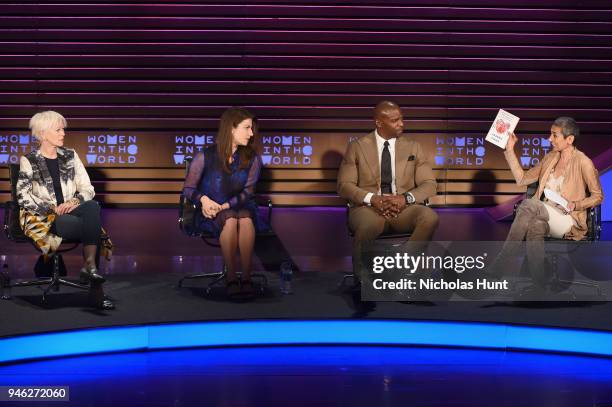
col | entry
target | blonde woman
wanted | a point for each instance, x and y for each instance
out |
(54, 195)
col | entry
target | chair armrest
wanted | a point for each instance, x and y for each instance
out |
(268, 219)
(516, 206)
(269, 212)
(8, 208)
(348, 210)
(267, 203)
(187, 218)
(12, 229)
(594, 223)
(531, 189)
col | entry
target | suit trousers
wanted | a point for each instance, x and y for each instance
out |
(367, 225)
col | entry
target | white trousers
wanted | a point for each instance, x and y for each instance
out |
(558, 222)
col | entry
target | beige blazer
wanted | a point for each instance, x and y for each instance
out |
(359, 172)
(580, 176)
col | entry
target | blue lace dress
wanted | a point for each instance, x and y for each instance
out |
(207, 177)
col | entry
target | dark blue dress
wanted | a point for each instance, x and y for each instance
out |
(207, 177)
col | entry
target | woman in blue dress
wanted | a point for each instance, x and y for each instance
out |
(222, 179)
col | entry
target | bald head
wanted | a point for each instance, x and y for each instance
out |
(388, 119)
(384, 108)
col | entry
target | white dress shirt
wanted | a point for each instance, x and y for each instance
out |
(380, 144)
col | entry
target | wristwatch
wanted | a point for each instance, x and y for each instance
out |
(409, 198)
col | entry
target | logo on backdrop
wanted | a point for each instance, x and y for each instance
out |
(112, 149)
(287, 150)
(13, 146)
(188, 146)
(532, 150)
(464, 150)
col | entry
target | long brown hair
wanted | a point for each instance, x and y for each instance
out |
(230, 119)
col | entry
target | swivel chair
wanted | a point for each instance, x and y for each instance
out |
(350, 275)
(593, 235)
(13, 232)
(187, 220)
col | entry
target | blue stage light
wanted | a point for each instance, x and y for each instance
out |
(87, 341)
(347, 332)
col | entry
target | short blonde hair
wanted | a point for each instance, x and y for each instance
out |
(43, 121)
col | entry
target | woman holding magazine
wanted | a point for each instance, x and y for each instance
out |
(566, 173)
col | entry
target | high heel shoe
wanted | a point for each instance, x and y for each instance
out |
(90, 274)
(107, 305)
(98, 299)
(232, 288)
(247, 290)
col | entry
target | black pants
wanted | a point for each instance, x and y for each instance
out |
(82, 224)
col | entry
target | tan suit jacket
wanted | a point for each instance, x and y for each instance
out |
(359, 172)
(580, 176)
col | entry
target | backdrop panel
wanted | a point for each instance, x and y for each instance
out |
(143, 84)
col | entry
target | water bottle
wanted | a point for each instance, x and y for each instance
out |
(286, 275)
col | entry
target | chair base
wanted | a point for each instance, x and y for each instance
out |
(219, 277)
(557, 283)
(569, 292)
(52, 283)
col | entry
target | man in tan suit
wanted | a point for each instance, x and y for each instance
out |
(386, 177)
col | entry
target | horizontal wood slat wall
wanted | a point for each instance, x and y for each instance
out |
(159, 71)
(286, 186)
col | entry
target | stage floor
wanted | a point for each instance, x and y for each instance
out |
(152, 255)
(321, 376)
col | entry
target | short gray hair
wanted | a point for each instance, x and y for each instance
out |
(568, 127)
(43, 121)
